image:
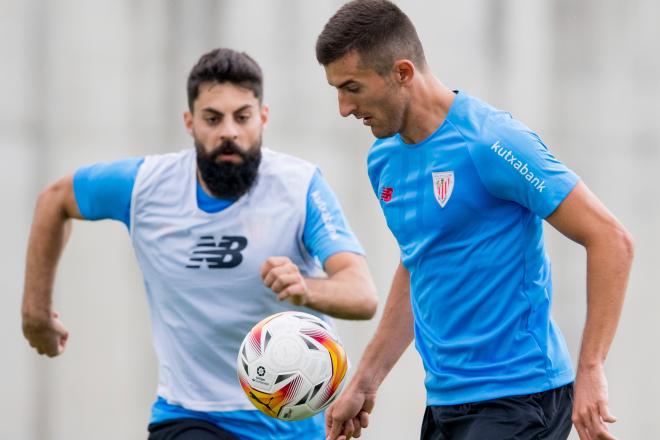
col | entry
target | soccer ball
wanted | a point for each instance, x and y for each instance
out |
(291, 365)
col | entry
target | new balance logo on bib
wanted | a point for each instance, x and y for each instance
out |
(222, 255)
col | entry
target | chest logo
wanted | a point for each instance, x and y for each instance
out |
(386, 194)
(443, 186)
(222, 255)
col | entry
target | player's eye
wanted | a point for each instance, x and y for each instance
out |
(212, 120)
(243, 118)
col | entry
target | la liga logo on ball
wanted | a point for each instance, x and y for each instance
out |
(291, 365)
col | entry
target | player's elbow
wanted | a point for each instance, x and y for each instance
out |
(625, 243)
(53, 198)
(619, 243)
(369, 302)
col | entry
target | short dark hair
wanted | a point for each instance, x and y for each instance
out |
(225, 65)
(377, 30)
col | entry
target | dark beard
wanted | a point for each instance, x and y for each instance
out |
(228, 180)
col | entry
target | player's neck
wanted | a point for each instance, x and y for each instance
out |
(429, 105)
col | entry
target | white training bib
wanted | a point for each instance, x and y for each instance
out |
(202, 271)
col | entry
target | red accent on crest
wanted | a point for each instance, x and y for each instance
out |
(386, 194)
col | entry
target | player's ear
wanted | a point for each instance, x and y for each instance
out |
(404, 71)
(188, 121)
(264, 112)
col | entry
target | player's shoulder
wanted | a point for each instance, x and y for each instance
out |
(277, 163)
(482, 125)
(158, 166)
(474, 118)
(284, 171)
(168, 159)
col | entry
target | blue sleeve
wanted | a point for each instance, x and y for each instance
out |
(326, 230)
(104, 190)
(514, 164)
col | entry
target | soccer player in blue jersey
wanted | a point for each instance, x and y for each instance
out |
(465, 188)
(221, 233)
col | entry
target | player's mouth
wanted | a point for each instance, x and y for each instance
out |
(366, 120)
(229, 157)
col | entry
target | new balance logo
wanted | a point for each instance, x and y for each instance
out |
(386, 194)
(518, 165)
(223, 255)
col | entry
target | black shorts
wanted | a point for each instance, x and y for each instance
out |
(188, 429)
(545, 415)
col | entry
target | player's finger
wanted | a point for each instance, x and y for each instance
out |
(596, 425)
(335, 429)
(283, 281)
(580, 427)
(582, 432)
(273, 262)
(596, 428)
(270, 263)
(276, 272)
(605, 435)
(348, 429)
(605, 413)
(357, 428)
(61, 346)
(292, 291)
(363, 419)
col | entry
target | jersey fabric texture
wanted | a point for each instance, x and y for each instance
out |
(202, 271)
(466, 208)
(104, 190)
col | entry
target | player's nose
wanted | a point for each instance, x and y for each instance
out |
(346, 105)
(228, 131)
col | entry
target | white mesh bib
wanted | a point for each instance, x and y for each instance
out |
(201, 270)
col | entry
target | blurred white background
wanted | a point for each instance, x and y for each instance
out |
(86, 81)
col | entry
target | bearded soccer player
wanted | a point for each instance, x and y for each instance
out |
(225, 234)
(465, 188)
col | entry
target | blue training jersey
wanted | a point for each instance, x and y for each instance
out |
(104, 191)
(466, 207)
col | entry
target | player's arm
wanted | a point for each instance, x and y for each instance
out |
(583, 218)
(96, 192)
(348, 291)
(346, 417)
(51, 225)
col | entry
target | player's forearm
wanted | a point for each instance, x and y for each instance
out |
(347, 294)
(608, 266)
(50, 230)
(393, 335)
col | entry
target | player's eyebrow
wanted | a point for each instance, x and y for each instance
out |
(245, 107)
(213, 111)
(345, 83)
(219, 113)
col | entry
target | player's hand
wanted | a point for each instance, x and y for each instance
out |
(283, 277)
(590, 407)
(349, 414)
(48, 335)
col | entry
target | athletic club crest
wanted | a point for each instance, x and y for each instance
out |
(443, 185)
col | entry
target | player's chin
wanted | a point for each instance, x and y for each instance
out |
(382, 132)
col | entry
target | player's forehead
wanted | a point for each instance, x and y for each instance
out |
(346, 69)
(224, 97)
